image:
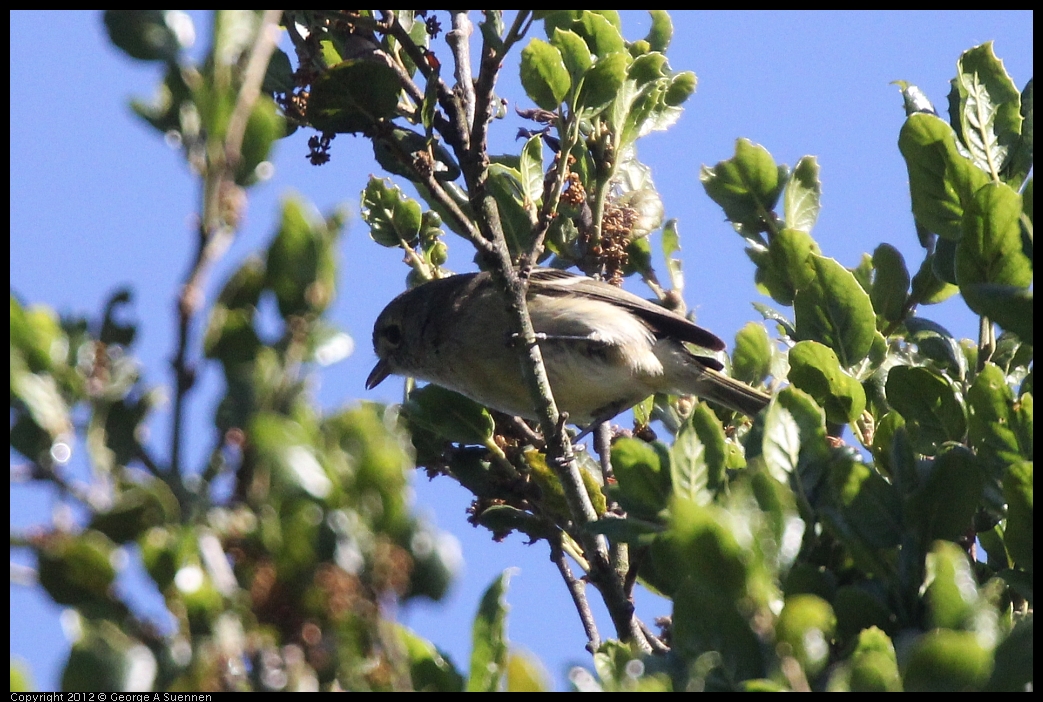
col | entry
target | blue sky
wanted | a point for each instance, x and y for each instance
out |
(98, 200)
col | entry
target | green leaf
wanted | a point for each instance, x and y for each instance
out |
(945, 504)
(913, 99)
(806, 624)
(932, 408)
(698, 457)
(430, 105)
(947, 661)
(278, 78)
(601, 32)
(861, 607)
(751, 357)
(935, 342)
(544, 75)
(231, 336)
(37, 335)
(75, 570)
(556, 19)
(164, 112)
(661, 31)
(105, 658)
(787, 266)
(746, 186)
(1019, 161)
(353, 96)
(449, 415)
(941, 180)
(991, 248)
(602, 83)
(265, 125)
(802, 198)
(951, 595)
(136, 510)
(671, 243)
(286, 449)
(301, 263)
(643, 474)
(531, 170)
(815, 369)
(1007, 305)
(1014, 669)
(682, 87)
(406, 219)
(397, 152)
(793, 434)
(517, 213)
(525, 673)
(1017, 491)
(890, 283)
(629, 530)
(874, 666)
(574, 52)
(711, 570)
(501, 520)
(928, 288)
(834, 310)
(943, 263)
(489, 638)
(114, 331)
(394, 220)
(143, 34)
(998, 428)
(21, 676)
(430, 669)
(985, 108)
(864, 509)
(40, 395)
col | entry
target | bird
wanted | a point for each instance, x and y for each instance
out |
(604, 349)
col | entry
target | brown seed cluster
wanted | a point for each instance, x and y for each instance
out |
(616, 226)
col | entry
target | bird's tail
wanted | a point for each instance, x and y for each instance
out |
(716, 387)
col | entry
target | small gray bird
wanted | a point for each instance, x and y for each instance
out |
(604, 348)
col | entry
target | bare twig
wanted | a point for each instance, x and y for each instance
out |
(253, 77)
(216, 228)
(458, 39)
(656, 643)
(579, 597)
(487, 74)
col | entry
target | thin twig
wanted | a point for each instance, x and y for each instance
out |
(449, 102)
(603, 445)
(487, 75)
(551, 197)
(253, 77)
(147, 461)
(654, 641)
(579, 598)
(215, 232)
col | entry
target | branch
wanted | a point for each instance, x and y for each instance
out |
(475, 163)
(222, 201)
(552, 188)
(457, 136)
(253, 77)
(459, 40)
(579, 597)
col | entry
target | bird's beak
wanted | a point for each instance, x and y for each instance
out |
(377, 375)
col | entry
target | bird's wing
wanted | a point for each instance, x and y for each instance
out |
(662, 321)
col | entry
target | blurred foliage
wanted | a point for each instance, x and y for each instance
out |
(794, 559)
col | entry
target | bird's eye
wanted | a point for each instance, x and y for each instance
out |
(393, 334)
